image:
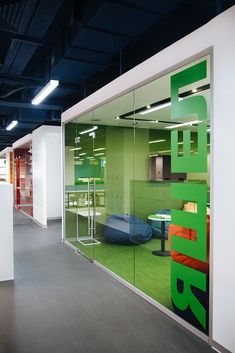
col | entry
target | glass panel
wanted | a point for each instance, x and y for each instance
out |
(79, 186)
(3, 169)
(23, 195)
(114, 155)
(139, 183)
(171, 180)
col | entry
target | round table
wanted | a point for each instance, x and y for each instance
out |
(163, 219)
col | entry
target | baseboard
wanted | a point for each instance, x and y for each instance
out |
(219, 348)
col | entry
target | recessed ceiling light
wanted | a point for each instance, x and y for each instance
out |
(181, 143)
(166, 151)
(183, 124)
(89, 130)
(157, 141)
(99, 149)
(75, 149)
(158, 107)
(117, 117)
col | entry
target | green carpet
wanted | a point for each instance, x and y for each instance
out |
(135, 264)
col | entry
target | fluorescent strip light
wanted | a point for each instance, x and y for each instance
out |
(157, 141)
(183, 124)
(52, 84)
(164, 151)
(11, 125)
(99, 149)
(75, 149)
(89, 130)
(159, 107)
(90, 157)
(181, 143)
(99, 154)
(82, 154)
(181, 152)
(76, 157)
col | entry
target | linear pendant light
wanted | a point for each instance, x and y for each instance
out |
(11, 125)
(51, 85)
(89, 130)
(190, 123)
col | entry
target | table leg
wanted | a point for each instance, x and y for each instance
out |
(163, 251)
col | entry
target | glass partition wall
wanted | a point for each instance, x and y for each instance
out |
(23, 190)
(137, 189)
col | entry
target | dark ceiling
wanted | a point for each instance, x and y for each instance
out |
(84, 44)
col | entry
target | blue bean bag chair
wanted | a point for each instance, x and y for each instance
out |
(127, 230)
(156, 225)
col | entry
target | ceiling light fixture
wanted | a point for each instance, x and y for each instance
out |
(194, 90)
(89, 130)
(183, 124)
(158, 107)
(208, 130)
(11, 125)
(157, 141)
(82, 154)
(99, 149)
(117, 117)
(51, 85)
(75, 149)
(166, 151)
(76, 157)
(99, 154)
(181, 143)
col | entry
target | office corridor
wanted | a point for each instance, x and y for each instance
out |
(60, 302)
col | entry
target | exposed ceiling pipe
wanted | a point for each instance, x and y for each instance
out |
(21, 105)
(12, 92)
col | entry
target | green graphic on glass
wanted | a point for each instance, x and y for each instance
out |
(195, 221)
(194, 109)
(182, 110)
(190, 277)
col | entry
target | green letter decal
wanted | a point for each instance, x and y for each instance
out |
(182, 300)
(193, 108)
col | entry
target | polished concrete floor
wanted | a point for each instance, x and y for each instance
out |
(62, 303)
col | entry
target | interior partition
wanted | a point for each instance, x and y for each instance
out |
(137, 189)
(23, 190)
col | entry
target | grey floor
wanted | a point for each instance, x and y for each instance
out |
(60, 302)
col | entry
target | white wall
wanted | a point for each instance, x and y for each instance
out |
(46, 150)
(218, 35)
(69, 166)
(6, 155)
(6, 232)
(54, 203)
(39, 165)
